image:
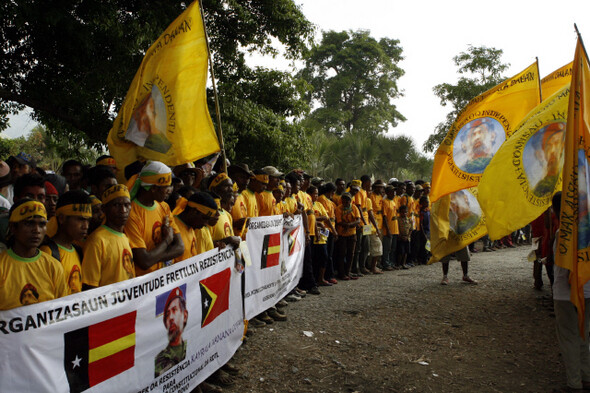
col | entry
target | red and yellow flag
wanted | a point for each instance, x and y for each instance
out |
(98, 352)
(556, 80)
(214, 296)
(164, 116)
(573, 245)
(479, 131)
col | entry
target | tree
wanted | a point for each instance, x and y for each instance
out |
(484, 67)
(72, 62)
(354, 80)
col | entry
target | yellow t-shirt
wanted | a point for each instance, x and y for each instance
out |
(108, 258)
(305, 199)
(406, 200)
(26, 281)
(266, 203)
(143, 229)
(360, 199)
(390, 215)
(291, 203)
(330, 209)
(279, 208)
(342, 215)
(204, 240)
(188, 238)
(224, 226)
(337, 199)
(377, 204)
(238, 212)
(320, 211)
(250, 202)
(51, 229)
(72, 267)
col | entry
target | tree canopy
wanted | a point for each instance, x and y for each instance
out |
(484, 68)
(354, 81)
(72, 62)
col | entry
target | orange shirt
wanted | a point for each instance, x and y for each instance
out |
(266, 202)
(377, 202)
(390, 215)
(239, 211)
(143, 229)
(330, 209)
(305, 199)
(250, 202)
(346, 215)
(188, 238)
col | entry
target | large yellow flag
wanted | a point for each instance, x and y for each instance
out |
(164, 116)
(573, 245)
(456, 220)
(479, 131)
(519, 182)
(556, 80)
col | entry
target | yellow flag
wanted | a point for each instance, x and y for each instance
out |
(556, 80)
(573, 245)
(456, 220)
(479, 131)
(519, 182)
(164, 116)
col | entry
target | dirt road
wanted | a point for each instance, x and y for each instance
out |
(404, 332)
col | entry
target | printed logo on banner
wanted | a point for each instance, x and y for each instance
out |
(172, 305)
(215, 295)
(98, 352)
(271, 250)
(294, 245)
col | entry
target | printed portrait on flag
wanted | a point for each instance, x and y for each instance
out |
(464, 213)
(583, 202)
(147, 126)
(476, 143)
(543, 158)
(175, 316)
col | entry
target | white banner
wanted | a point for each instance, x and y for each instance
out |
(163, 332)
(276, 247)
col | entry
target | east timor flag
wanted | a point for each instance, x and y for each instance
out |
(294, 244)
(98, 352)
(271, 250)
(214, 295)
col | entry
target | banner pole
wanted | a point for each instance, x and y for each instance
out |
(581, 40)
(216, 98)
(539, 73)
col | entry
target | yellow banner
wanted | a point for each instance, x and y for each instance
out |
(456, 220)
(518, 184)
(573, 245)
(164, 116)
(556, 81)
(479, 131)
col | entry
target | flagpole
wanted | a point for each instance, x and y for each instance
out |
(581, 40)
(216, 99)
(539, 74)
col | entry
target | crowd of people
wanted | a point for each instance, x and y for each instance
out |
(62, 233)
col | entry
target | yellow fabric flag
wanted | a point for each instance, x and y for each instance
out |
(519, 182)
(456, 220)
(556, 80)
(164, 116)
(573, 244)
(479, 131)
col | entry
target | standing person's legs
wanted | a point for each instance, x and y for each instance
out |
(385, 261)
(464, 257)
(393, 260)
(445, 269)
(350, 250)
(354, 263)
(330, 275)
(570, 342)
(364, 254)
(307, 281)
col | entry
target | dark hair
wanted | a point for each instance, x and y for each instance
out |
(556, 203)
(98, 173)
(58, 181)
(28, 180)
(326, 188)
(184, 190)
(311, 189)
(73, 197)
(339, 179)
(176, 180)
(419, 182)
(365, 178)
(70, 163)
(103, 157)
(292, 177)
(402, 207)
(204, 198)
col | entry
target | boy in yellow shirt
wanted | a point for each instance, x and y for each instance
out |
(74, 210)
(28, 275)
(108, 257)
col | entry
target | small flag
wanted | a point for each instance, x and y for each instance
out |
(214, 295)
(271, 250)
(98, 352)
(294, 244)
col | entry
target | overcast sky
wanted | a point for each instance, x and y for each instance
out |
(433, 32)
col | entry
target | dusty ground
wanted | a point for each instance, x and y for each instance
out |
(404, 332)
